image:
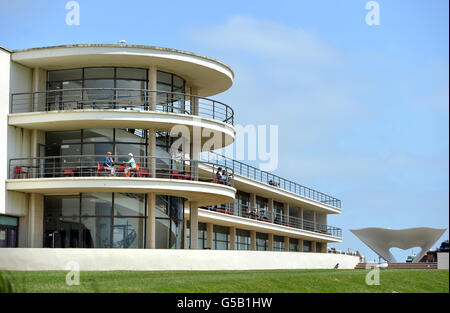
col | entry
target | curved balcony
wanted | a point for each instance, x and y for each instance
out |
(278, 218)
(86, 173)
(275, 181)
(117, 107)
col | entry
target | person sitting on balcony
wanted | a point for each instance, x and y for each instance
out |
(219, 176)
(130, 164)
(108, 163)
(226, 177)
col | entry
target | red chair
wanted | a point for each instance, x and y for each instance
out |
(67, 172)
(135, 170)
(122, 170)
(18, 171)
(101, 169)
(144, 172)
(187, 176)
(175, 175)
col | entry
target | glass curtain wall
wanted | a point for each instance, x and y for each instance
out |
(175, 100)
(221, 237)
(278, 243)
(243, 240)
(262, 242)
(169, 222)
(95, 220)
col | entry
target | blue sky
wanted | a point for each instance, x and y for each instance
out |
(362, 110)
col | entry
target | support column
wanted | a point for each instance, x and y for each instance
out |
(286, 243)
(185, 233)
(35, 220)
(209, 235)
(270, 242)
(151, 220)
(313, 246)
(152, 86)
(300, 245)
(253, 240)
(232, 238)
(151, 151)
(286, 213)
(194, 101)
(193, 218)
(270, 208)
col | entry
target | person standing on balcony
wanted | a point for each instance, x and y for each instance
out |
(108, 163)
(130, 164)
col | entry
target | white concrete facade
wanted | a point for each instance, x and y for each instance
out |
(167, 259)
(25, 71)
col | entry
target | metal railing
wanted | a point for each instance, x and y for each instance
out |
(120, 99)
(92, 165)
(249, 171)
(277, 218)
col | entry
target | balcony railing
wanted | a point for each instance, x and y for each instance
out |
(277, 218)
(120, 99)
(249, 171)
(92, 165)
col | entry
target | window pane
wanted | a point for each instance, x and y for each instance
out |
(131, 73)
(63, 137)
(128, 233)
(61, 206)
(130, 135)
(99, 94)
(96, 232)
(98, 135)
(163, 77)
(129, 204)
(99, 72)
(137, 150)
(75, 74)
(178, 82)
(96, 204)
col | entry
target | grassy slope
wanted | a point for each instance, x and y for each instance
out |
(235, 281)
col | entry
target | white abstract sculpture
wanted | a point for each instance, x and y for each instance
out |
(381, 240)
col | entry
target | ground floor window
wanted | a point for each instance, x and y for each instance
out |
(293, 244)
(278, 243)
(106, 220)
(221, 237)
(9, 226)
(318, 247)
(307, 246)
(243, 240)
(262, 242)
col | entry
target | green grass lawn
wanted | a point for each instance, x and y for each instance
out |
(234, 281)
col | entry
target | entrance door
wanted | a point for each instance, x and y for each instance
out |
(62, 233)
(8, 236)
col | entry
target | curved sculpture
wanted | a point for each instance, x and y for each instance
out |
(381, 240)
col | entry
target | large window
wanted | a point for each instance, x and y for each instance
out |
(243, 240)
(293, 244)
(95, 220)
(307, 246)
(109, 220)
(221, 237)
(278, 243)
(241, 203)
(262, 242)
(169, 222)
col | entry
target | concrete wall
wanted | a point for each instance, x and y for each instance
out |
(167, 259)
(5, 62)
(442, 260)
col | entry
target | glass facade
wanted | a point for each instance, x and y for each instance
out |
(307, 246)
(202, 236)
(278, 243)
(106, 220)
(221, 237)
(169, 222)
(293, 244)
(262, 242)
(243, 240)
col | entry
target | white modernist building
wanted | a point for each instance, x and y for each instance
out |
(381, 240)
(71, 115)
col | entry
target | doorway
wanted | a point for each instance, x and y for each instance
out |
(9, 231)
